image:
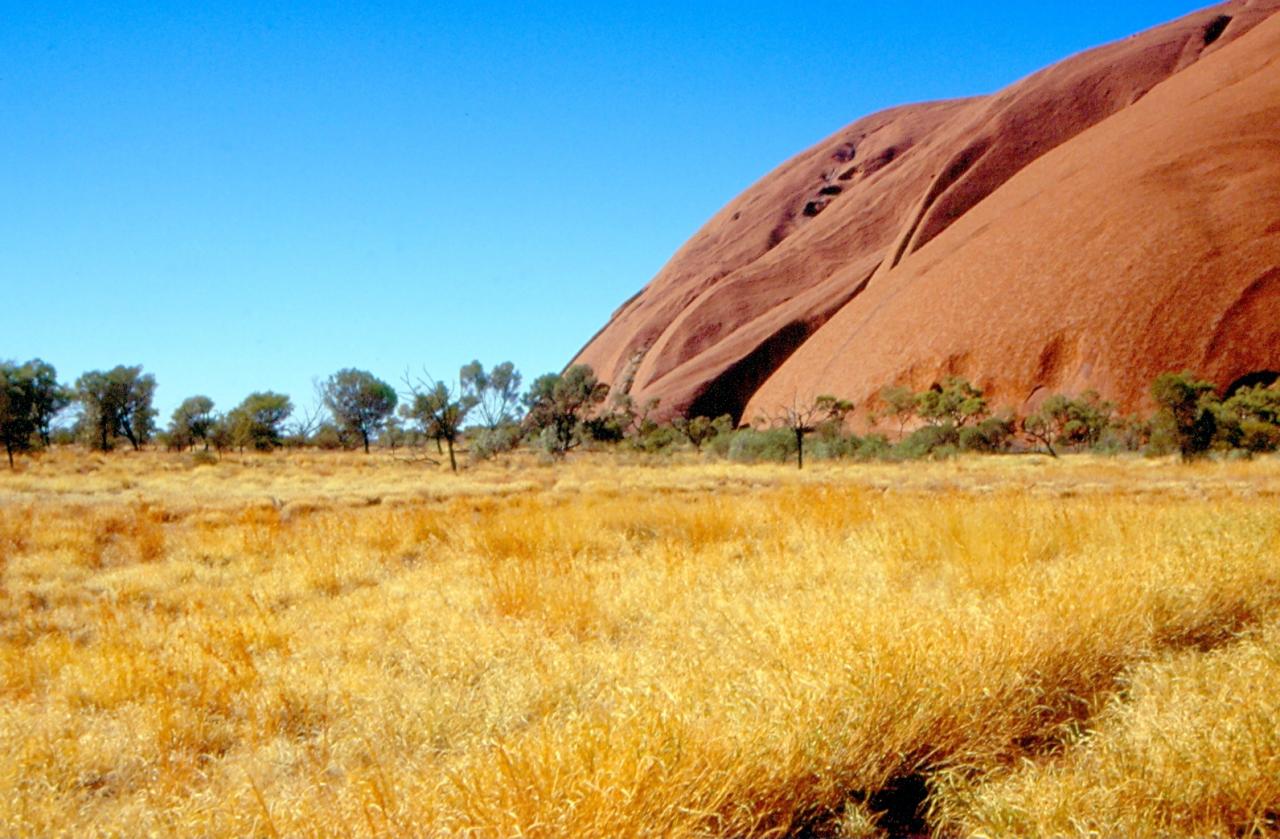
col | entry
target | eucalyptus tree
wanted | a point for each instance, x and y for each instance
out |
(359, 401)
(116, 403)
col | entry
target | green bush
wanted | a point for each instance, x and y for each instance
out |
(1124, 434)
(751, 446)
(1250, 420)
(1258, 437)
(990, 436)
(718, 446)
(485, 443)
(329, 437)
(873, 447)
(1162, 440)
(927, 441)
(832, 447)
(657, 439)
(1191, 405)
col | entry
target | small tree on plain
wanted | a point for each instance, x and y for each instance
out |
(1190, 404)
(1063, 420)
(699, 430)
(558, 403)
(17, 409)
(48, 397)
(955, 402)
(359, 401)
(900, 404)
(439, 410)
(117, 403)
(802, 419)
(191, 422)
(1250, 419)
(495, 394)
(258, 421)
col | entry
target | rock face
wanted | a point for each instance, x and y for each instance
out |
(1100, 222)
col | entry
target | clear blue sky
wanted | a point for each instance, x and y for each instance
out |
(245, 196)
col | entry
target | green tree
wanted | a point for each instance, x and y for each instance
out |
(1250, 419)
(440, 411)
(955, 402)
(17, 409)
(258, 421)
(623, 419)
(1189, 404)
(558, 403)
(192, 422)
(900, 403)
(701, 430)
(117, 403)
(1064, 420)
(359, 401)
(49, 398)
(393, 433)
(990, 436)
(495, 394)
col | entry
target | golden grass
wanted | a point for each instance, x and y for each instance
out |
(339, 645)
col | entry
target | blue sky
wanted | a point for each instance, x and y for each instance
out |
(246, 196)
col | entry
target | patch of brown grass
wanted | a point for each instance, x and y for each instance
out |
(1007, 646)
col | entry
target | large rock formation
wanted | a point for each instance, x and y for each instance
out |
(1107, 219)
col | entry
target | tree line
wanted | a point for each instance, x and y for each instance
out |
(486, 410)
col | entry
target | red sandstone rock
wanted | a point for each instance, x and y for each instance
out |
(1112, 217)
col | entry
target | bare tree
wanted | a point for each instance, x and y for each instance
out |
(805, 418)
(306, 422)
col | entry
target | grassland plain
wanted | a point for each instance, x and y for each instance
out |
(331, 644)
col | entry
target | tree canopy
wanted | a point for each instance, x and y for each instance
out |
(116, 403)
(359, 402)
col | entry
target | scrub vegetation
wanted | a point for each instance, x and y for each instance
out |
(334, 643)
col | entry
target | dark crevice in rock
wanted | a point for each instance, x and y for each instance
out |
(729, 392)
(844, 153)
(1214, 29)
(1258, 378)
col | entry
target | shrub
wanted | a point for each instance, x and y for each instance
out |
(1124, 434)
(701, 430)
(1250, 420)
(954, 402)
(991, 435)
(750, 445)
(1257, 436)
(203, 458)
(608, 428)
(719, 445)
(1162, 439)
(926, 441)
(657, 439)
(1190, 404)
(873, 447)
(488, 442)
(833, 448)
